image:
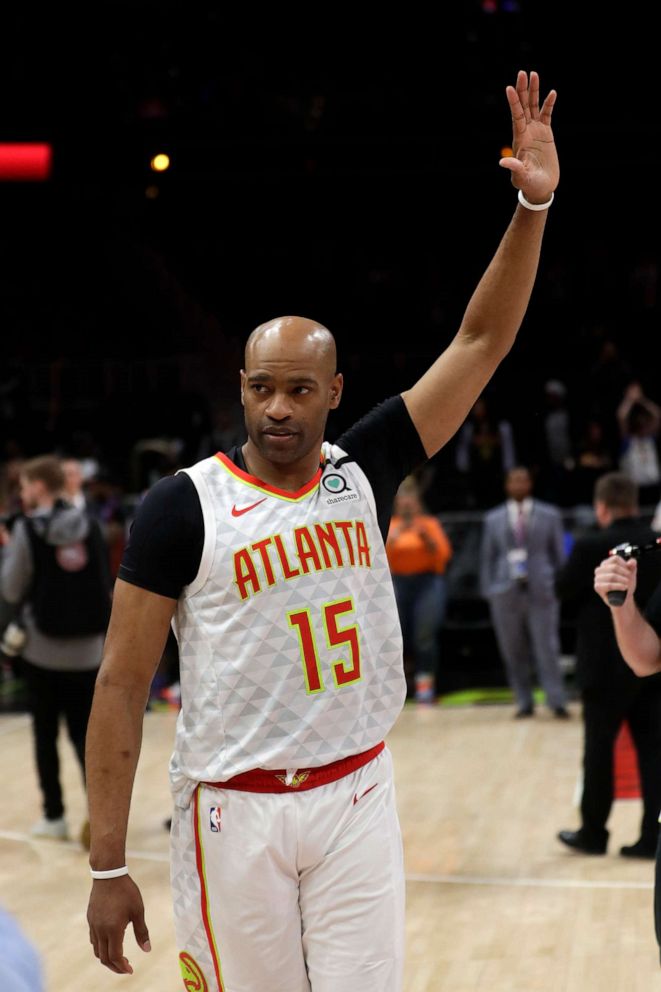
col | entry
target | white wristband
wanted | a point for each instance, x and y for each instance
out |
(111, 873)
(534, 206)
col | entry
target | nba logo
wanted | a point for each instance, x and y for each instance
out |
(214, 819)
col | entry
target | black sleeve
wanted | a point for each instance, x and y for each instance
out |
(164, 549)
(574, 580)
(387, 446)
(653, 610)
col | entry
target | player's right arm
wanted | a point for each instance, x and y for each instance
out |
(134, 645)
(637, 640)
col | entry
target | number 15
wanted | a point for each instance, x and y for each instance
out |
(343, 673)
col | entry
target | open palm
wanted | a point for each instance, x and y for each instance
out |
(534, 167)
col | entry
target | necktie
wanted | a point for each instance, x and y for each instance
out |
(520, 527)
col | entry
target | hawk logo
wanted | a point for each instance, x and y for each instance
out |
(298, 779)
(192, 974)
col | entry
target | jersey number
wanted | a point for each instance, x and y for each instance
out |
(344, 672)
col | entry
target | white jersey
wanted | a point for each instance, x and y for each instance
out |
(289, 639)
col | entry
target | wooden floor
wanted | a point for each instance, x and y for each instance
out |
(494, 901)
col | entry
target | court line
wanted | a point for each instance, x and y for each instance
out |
(430, 879)
(550, 883)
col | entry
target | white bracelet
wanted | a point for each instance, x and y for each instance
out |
(111, 873)
(534, 206)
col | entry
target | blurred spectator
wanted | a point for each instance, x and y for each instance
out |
(522, 550)
(418, 552)
(607, 380)
(592, 460)
(10, 487)
(54, 564)
(73, 483)
(639, 420)
(554, 455)
(105, 502)
(484, 454)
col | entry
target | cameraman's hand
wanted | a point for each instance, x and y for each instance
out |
(616, 573)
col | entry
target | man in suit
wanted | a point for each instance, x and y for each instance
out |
(522, 550)
(610, 691)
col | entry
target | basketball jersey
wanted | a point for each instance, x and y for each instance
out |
(289, 639)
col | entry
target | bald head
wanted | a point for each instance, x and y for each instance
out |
(293, 338)
(289, 385)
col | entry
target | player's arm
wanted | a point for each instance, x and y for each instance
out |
(136, 638)
(440, 401)
(637, 640)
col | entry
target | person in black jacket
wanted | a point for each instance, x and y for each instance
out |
(610, 691)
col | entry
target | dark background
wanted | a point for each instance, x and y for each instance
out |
(338, 162)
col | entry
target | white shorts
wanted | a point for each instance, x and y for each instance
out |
(294, 892)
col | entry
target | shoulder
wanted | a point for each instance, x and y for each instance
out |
(547, 510)
(171, 499)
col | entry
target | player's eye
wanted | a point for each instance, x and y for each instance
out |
(301, 390)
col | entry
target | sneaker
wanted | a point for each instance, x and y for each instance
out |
(52, 829)
(85, 835)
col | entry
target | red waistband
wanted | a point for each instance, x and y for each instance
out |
(265, 780)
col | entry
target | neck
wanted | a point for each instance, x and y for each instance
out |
(45, 503)
(290, 477)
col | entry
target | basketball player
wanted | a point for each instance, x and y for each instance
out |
(287, 869)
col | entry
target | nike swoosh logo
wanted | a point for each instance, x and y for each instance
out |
(356, 797)
(246, 509)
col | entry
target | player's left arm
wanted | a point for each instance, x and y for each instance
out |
(440, 401)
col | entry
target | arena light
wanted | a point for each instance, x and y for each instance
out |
(160, 162)
(25, 162)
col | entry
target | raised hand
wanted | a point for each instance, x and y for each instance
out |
(534, 167)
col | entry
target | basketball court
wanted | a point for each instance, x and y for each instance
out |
(494, 902)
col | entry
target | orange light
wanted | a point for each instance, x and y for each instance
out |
(506, 152)
(160, 162)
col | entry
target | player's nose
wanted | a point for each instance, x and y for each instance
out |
(279, 406)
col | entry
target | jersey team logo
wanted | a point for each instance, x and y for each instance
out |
(72, 557)
(192, 974)
(298, 779)
(214, 819)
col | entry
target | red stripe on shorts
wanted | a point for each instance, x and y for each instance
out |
(204, 900)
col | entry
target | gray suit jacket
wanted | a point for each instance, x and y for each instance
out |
(544, 544)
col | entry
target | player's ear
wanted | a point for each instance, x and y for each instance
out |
(336, 387)
(243, 385)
